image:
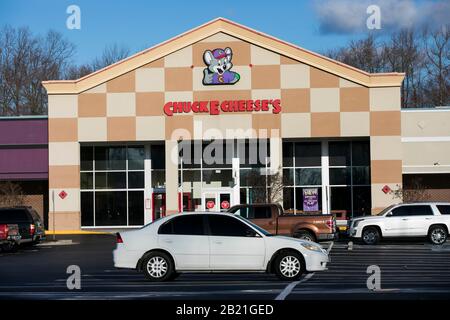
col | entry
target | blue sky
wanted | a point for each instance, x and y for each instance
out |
(316, 25)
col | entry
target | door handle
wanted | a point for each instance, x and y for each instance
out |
(168, 241)
(427, 218)
(405, 219)
(217, 242)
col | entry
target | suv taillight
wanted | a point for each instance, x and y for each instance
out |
(118, 238)
(32, 229)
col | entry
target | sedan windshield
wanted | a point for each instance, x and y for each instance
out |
(264, 232)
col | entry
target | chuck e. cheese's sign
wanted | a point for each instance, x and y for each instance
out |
(215, 107)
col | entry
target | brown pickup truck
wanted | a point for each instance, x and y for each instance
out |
(271, 217)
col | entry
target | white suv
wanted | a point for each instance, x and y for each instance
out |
(221, 242)
(428, 219)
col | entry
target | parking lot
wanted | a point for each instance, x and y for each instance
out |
(409, 270)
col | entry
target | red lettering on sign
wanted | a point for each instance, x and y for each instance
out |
(215, 107)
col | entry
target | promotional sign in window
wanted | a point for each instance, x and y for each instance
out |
(310, 199)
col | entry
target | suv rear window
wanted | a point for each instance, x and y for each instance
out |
(444, 209)
(14, 216)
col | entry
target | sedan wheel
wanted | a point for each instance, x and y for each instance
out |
(438, 235)
(158, 267)
(288, 266)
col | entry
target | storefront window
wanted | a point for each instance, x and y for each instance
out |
(349, 177)
(302, 171)
(112, 185)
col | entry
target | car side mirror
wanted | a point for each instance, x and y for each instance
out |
(251, 233)
(389, 214)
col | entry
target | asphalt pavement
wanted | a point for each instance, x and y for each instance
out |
(407, 269)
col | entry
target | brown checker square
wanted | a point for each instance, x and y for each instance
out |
(295, 100)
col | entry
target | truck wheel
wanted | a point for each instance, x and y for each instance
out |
(437, 235)
(288, 265)
(305, 235)
(158, 266)
(370, 236)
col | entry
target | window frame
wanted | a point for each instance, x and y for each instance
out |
(207, 217)
(185, 216)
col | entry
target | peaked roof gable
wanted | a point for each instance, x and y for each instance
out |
(235, 30)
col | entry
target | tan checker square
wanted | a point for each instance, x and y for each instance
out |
(150, 103)
(123, 83)
(354, 99)
(64, 176)
(264, 124)
(286, 60)
(155, 64)
(322, 79)
(325, 124)
(92, 105)
(180, 127)
(385, 123)
(266, 77)
(295, 100)
(121, 129)
(386, 171)
(62, 129)
(178, 79)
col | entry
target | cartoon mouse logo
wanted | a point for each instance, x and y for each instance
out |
(219, 65)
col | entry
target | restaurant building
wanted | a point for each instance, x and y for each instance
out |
(222, 115)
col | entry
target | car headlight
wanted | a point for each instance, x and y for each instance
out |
(355, 224)
(312, 247)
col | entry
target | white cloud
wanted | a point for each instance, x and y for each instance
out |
(349, 16)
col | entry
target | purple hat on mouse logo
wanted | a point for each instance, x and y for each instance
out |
(219, 53)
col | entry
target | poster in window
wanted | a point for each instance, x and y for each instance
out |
(310, 199)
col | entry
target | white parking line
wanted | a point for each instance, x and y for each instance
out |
(330, 247)
(291, 287)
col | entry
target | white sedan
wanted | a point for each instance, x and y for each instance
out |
(214, 242)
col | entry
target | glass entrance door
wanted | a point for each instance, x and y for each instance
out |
(158, 205)
(217, 200)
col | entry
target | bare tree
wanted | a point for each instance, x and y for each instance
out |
(267, 187)
(403, 53)
(11, 194)
(437, 50)
(415, 191)
(111, 54)
(364, 54)
(25, 61)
